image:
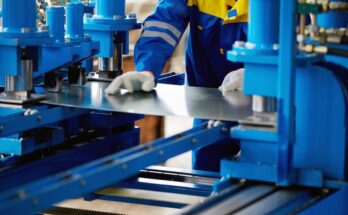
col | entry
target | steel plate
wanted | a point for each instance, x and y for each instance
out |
(165, 100)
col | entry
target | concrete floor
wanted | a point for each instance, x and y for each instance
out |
(173, 125)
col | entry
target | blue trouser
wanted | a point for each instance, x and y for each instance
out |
(208, 158)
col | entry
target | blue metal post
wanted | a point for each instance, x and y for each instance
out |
(55, 21)
(110, 8)
(19, 16)
(286, 90)
(74, 21)
(263, 25)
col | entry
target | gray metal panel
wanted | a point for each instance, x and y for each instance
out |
(165, 100)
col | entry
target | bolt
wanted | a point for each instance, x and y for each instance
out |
(124, 167)
(1, 128)
(39, 118)
(88, 15)
(21, 194)
(239, 44)
(224, 129)
(43, 28)
(132, 15)
(25, 30)
(161, 153)
(34, 201)
(83, 183)
(117, 17)
(194, 141)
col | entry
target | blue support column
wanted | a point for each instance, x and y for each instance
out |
(286, 93)
(55, 21)
(111, 8)
(19, 16)
(74, 21)
(263, 26)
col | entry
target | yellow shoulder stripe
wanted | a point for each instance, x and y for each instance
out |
(219, 8)
(216, 8)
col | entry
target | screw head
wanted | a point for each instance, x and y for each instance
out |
(88, 15)
(117, 17)
(132, 15)
(124, 167)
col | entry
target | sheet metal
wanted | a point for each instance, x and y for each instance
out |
(165, 100)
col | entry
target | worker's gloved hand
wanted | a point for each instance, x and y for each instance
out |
(233, 82)
(132, 81)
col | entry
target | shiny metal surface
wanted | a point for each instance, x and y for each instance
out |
(264, 104)
(106, 64)
(17, 98)
(261, 121)
(165, 100)
(10, 83)
(24, 80)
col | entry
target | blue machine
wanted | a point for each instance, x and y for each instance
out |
(110, 26)
(294, 150)
(310, 115)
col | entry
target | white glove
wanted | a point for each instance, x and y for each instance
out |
(233, 82)
(132, 81)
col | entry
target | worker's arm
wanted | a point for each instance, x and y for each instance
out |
(161, 34)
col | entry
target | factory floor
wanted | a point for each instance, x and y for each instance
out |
(173, 125)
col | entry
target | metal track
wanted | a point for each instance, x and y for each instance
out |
(153, 198)
(75, 211)
(258, 199)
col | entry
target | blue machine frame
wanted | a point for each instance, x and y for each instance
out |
(60, 153)
(308, 126)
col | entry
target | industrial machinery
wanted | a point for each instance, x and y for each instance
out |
(110, 26)
(62, 137)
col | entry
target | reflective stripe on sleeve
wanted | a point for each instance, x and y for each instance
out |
(163, 25)
(157, 34)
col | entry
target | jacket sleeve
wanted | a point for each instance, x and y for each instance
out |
(161, 33)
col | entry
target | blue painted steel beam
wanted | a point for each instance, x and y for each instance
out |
(73, 153)
(23, 146)
(46, 116)
(286, 90)
(334, 204)
(42, 194)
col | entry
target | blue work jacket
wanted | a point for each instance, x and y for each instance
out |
(214, 27)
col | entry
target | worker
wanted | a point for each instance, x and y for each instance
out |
(215, 25)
